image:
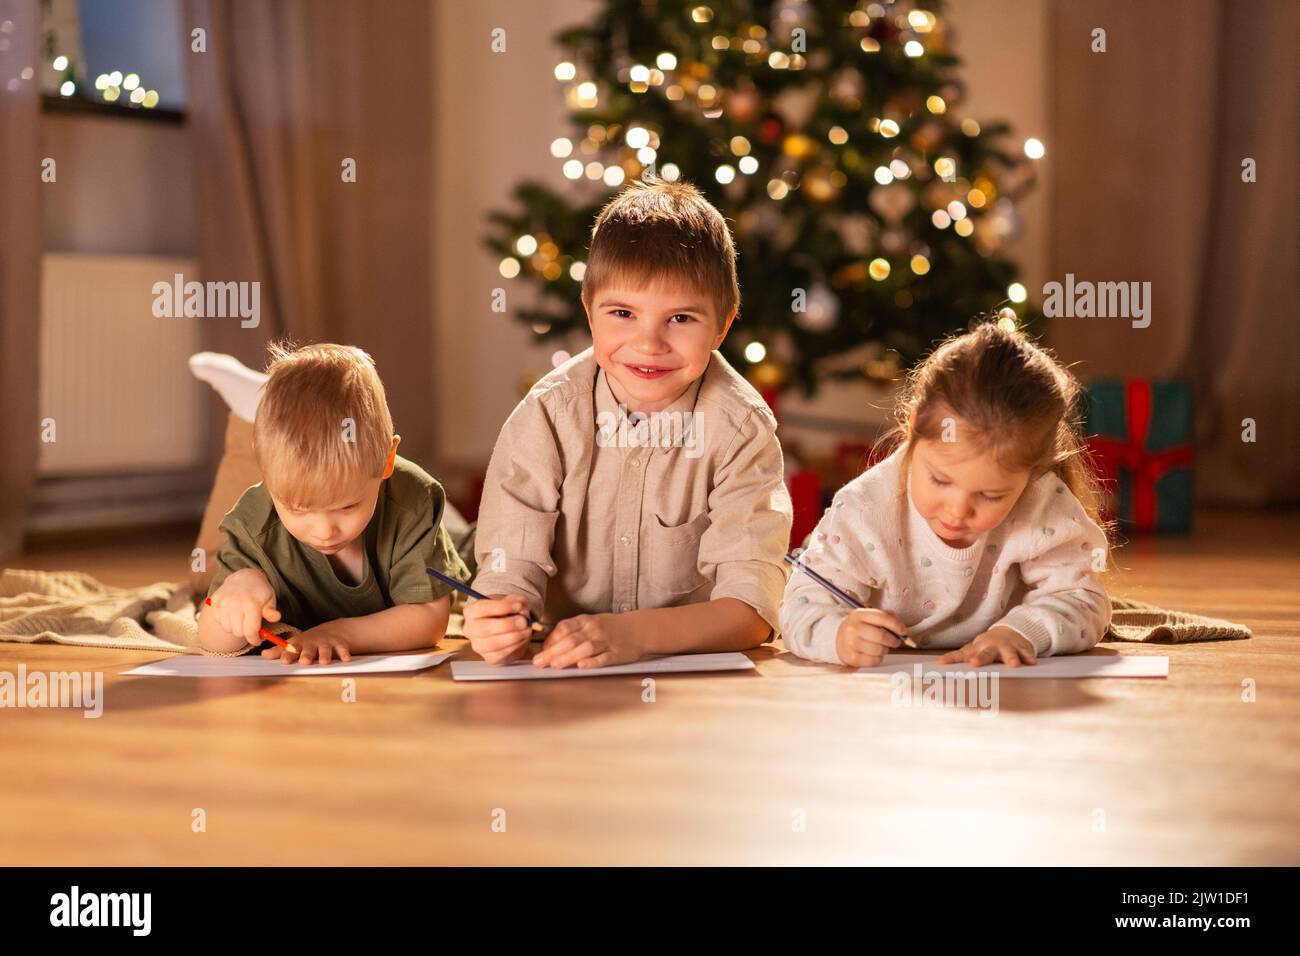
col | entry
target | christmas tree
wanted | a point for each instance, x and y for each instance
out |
(868, 212)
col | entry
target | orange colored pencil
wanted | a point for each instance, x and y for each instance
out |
(263, 633)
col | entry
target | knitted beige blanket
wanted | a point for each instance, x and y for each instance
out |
(69, 607)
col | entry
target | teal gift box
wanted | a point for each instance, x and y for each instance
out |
(1140, 438)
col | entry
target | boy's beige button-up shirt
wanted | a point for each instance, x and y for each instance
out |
(586, 510)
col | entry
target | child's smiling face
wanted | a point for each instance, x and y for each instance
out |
(654, 341)
(961, 495)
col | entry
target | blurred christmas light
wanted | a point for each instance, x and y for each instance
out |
(1034, 148)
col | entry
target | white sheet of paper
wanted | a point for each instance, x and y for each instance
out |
(674, 664)
(1072, 667)
(195, 665)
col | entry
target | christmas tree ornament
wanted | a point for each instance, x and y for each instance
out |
(892, 202)
(771, 129)
(743, 104)
(822, 309)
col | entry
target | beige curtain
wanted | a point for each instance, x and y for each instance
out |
(20, 263)
(1146, 153)
(286, 91)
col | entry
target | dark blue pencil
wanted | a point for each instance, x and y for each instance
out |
(797, 563)
(470, 592)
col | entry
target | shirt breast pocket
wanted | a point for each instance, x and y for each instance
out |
(673, 561)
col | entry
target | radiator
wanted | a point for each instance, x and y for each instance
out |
(116, 394)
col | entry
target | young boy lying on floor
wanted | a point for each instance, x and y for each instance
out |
(336, 537)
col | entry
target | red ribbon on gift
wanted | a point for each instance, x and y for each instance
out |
(1131, 454)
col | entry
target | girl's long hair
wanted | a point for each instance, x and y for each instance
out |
(1012, 397)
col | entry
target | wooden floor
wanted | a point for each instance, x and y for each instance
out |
(797, 763)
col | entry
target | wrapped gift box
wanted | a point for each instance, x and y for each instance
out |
(1140, 438)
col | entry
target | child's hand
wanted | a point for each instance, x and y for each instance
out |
(241, 603)
(863, 638)
(588, 640)
(997, 644)
(316, 645)
(497, 628)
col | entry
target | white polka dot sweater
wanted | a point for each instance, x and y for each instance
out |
(1036, 572)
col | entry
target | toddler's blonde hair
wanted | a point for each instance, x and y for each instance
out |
(322, 424)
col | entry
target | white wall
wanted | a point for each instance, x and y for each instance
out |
(496, 117)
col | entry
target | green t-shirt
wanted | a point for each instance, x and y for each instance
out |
(405, 535)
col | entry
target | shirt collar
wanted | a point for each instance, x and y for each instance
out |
(606, 403)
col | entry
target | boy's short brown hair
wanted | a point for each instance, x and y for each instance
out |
(655, 230)
(322, 423)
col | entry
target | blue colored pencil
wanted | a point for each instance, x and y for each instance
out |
(470, 592)
(848, 599)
